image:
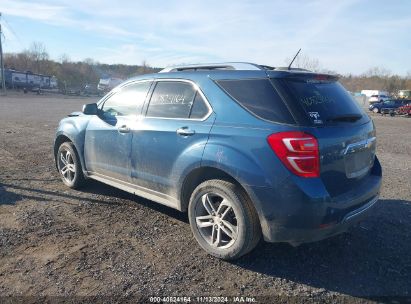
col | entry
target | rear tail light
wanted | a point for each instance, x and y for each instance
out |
(298, 151)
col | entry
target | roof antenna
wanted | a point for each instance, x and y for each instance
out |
(289, 67)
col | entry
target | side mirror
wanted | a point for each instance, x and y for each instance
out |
(90, 109)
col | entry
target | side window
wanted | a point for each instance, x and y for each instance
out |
(199, 108)
(259, 97)
(171, 99)
(128, 101)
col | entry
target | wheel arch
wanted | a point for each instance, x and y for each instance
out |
(60, 139)
(201, 174)
(198, 175)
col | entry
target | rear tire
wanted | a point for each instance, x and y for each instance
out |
(223, 219)
(69, 166)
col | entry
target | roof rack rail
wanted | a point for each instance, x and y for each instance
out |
(214, 66)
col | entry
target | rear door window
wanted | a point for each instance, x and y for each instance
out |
(259, 97)
(176, 99)
(324, 102)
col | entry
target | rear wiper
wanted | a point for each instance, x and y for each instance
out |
(345, 117)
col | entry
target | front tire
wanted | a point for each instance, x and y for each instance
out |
(69, 166)
(375, 110)
(223, 220)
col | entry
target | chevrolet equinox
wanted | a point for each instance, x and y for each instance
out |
(249, 151)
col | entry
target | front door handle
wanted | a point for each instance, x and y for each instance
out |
(124, 129)
(185, 131)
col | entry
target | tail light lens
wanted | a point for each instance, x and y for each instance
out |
(298, 151)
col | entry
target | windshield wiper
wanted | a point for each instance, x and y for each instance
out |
(345, 117)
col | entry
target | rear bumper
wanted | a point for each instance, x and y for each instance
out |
(303, 211)
(296, 237)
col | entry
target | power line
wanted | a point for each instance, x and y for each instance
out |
(10, 28)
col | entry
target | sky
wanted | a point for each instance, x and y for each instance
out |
(346, 36)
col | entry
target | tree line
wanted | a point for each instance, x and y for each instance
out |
(78, 73)
(70, 74)
(375, 78)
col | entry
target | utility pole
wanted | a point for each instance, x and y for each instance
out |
(3, 80)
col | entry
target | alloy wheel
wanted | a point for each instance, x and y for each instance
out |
(216, 221)
(67, 166)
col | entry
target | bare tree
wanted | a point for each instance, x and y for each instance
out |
(64, 58)
(89, 61)
(38, 51)
(377, 72)
(394, 84)
(19, 61)
(144, 68)
(39, 56)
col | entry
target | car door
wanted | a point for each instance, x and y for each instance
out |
(108, 135)
(172, 135)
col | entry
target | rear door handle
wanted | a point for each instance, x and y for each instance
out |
(124, 129)
(185, 131)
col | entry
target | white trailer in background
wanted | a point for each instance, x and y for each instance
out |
(369, 93)
(29, 80)
(53, 82)
(106, 84)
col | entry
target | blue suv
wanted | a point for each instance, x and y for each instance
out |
(390, 104)
(249, 151)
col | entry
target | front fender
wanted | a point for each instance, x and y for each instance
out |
(74, 128)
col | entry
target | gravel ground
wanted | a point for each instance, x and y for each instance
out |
(101, 241)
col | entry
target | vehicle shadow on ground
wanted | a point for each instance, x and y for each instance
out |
(95, 187)
(369, 261)
(9, 197)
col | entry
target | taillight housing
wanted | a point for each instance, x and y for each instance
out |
(298, 151)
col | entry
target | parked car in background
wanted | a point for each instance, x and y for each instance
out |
(405, 109)
(107, 84)
(74, 91)
(404, 94)
(249, 151)
(91, 90)
(390, 104)
(378, 98)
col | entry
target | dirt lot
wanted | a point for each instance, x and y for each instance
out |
(101, 241)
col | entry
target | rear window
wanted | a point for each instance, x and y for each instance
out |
(324, 102)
